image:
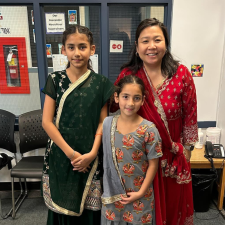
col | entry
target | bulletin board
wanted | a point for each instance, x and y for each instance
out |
(54, 40)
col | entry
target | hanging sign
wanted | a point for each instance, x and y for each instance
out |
(59, 62)
(116, 46)
(55, 23)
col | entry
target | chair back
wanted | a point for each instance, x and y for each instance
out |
(31, 132)
(7, 122)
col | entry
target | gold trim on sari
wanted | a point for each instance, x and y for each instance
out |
(169, 169)
(113, 129)
(112, 199)
(46, 186)
(54, 207)
(67, 92)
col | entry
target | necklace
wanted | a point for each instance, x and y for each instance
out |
(161, 83)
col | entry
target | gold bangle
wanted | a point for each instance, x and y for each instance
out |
(70, 158)
(98, 134)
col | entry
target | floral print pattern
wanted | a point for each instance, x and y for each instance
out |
(133, 151)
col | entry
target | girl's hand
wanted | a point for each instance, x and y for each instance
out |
(83, 169)
(187, 154)
(76, 155)
(83, 161)
(132, 196)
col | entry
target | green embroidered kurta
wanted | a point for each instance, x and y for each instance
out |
(77, 118)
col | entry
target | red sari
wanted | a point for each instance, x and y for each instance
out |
(173, 109)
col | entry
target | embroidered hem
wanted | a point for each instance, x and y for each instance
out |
(112, 199)
(53, 206)
(183, 177)
(189, 220)
(93, 199)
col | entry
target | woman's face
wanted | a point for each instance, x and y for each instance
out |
(151, 46)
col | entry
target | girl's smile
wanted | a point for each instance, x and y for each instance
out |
(130, 99)
(151, 45)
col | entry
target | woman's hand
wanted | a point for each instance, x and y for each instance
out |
(132, 196)
(82, 162)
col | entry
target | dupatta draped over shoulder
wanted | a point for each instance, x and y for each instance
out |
(113, 186)
(174, 175)
(78, 108)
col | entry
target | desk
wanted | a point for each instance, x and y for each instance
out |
(198, 161)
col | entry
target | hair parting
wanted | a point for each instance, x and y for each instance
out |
(130, 79)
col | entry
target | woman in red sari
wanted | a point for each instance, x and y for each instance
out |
(170, 103)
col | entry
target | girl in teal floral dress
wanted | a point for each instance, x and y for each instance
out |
(77, 98)
(131, 147)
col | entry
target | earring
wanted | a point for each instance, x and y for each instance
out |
(136, 54)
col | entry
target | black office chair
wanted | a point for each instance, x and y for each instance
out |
(7, 121)
(32, 136)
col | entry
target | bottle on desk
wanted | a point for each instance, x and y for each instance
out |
(199, 144)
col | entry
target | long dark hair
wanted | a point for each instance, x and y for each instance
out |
(81, 30)
(169, 64)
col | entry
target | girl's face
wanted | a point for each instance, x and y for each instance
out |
(78, 50)
(130, 99)
(151, 46)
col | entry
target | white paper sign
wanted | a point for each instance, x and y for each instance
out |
(55, 23)
(59, 62)
(94, 60)
(116, 46)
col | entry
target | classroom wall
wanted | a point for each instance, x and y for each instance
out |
(197, 37)
(11, 16)
(20, 103)
(221, 102)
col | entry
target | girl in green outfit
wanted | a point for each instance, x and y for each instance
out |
(77, 98)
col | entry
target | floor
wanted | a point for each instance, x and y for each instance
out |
(34, 212)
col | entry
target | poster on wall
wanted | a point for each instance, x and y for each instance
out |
(59, 62)
(197, 70)
(72, 16)
(32, 17)
(34, 35)
(94, 60)
(60, 48)
(55, 23)
(49, 50)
